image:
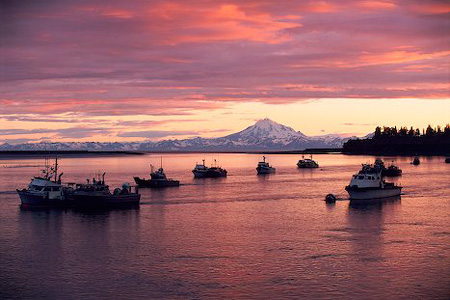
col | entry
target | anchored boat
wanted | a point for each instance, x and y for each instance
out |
(307, 163)
(202, 171)
(393, 171)
(45, 190)
(264, 167)
(158, 179)
(97, 194)
(368, 184)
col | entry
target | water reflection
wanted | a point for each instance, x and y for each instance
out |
(366, 224)
(375, 204)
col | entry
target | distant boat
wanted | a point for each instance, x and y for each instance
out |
(97, 194)
(447, 160)
(416, 161)
(157, 179)
(379, 164)
(202, 171)
(45, 190)
(264, 167)
(368, 184)
(392, 171)
(307, 163)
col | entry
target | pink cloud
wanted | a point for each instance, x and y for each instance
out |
(180, 58)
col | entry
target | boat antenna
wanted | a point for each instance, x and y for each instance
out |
(56, 166)
(161, 161)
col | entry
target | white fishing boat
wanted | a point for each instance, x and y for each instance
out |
(264, 167)
(46, 189)
(368, 184)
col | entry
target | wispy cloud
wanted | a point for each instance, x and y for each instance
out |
(173, 59)
(155, 133)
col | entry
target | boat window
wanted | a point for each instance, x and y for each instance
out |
(361, 177)
(47, 189)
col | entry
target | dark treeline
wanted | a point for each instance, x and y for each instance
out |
(403, 141)
(404, 131)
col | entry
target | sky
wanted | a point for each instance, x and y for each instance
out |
(140, 70)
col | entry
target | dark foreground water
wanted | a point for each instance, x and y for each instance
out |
(243, 237)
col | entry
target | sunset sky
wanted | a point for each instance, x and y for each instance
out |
(137, 70)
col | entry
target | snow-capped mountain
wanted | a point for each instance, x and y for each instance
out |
(265, 134)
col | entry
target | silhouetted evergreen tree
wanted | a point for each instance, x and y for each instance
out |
(429, 131)
(403, 131)
(417, 132)
(378, 131)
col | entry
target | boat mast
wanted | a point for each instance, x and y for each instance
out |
(56, 167)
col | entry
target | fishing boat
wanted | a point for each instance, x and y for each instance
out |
(202, 171)
(98, 194)
(158, 179)
(307, 163)
(264, 167)
(416, 161)
(368, 184)
(46, 189)
(392, 171)
(379, 164)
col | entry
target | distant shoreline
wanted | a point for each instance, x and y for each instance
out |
(8, 154)
(43, 153)
(11, 154)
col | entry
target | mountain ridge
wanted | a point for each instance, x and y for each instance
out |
(265, 134)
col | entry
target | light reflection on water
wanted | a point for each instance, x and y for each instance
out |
(244, 236)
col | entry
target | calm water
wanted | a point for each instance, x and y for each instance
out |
(241, 237)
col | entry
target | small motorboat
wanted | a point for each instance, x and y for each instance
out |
(416, 161)
(264, 167)
(307, 163)
(447, 160)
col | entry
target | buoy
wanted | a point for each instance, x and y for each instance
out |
(330, 198)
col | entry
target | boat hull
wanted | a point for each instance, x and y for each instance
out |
(152, 183)
(264, 171)
(372, 193)
(31, 199)
(209, 174)
(392, 173)
(128, 200)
